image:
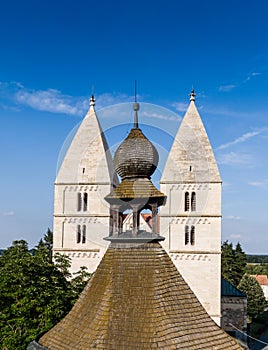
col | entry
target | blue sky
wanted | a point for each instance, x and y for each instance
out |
(52, 52)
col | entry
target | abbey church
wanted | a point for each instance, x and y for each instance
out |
(190, 220)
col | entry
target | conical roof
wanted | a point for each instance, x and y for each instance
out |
(137, 299)
(191, 156)
(88, 158)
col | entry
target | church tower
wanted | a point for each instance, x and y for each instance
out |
(136, 299)
(191, 219)
(81, 215)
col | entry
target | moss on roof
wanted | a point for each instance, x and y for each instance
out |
(137, 300)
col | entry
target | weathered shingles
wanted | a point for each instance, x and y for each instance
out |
(137, 300)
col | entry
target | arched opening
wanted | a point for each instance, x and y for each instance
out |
(192, 235)
(193, 201)
(186, 201)
(186, 235)
(78, 234)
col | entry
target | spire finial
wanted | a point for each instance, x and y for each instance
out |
(92, 98)
(192, 95)
(136, 106)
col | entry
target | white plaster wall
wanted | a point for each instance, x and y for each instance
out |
(202, 273)
(208, 199)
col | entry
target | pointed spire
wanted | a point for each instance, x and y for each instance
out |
(192, 95)
(136, 107)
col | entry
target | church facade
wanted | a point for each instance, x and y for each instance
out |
(190, 221)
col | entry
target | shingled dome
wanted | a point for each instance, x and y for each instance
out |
(136, 156)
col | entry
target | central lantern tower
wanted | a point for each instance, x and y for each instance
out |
(135, 161)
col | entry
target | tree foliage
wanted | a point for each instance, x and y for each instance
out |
(35, 292)
(233, 262)
(255, 297)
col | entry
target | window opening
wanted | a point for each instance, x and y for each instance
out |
(186, 201)
(85, 196)
(84, 234)
(78, 234)
(193, 201)
(79, 201)
(186, 238)
(84, 169)
(192, 235)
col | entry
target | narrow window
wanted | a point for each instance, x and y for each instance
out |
(186, 201)
(190, 168)
(85, 196)
(84, 234)
(192, 235)
(78, 234)
(84, 169)
(193, 201)
(79, 201)
(186, 235)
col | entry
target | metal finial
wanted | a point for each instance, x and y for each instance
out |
(192, 95)
(92, 101)
(136, 106)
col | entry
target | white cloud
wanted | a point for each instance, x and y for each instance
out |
(180, 106)
(232, 217)
(53, 100)
(161, 116)
(8, 213)
(235, 236)
(239, 139)
(230, 87)
(226, 88)
(251, 75)
(234, 158)
(50, 100)
(261, 184)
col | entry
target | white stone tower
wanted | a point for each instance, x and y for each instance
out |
(81, 216)
(191, 219)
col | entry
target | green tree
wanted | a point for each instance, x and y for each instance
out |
(233, 262)
(227, 259)
(35, 292)
(240, 263)
(255, 297)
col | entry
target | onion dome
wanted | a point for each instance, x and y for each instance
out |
(136, 156)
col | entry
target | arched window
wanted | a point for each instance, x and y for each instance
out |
(79, 201)
(193, 201)
(78, 234)
(186, 201)
(192, 238)
(186, 235)
(85, 197)
(84, 233)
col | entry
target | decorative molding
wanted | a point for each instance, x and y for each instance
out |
(82, 188)
(189, 221)
(191, 187)
(86, 215)
(81, 220)
(87, 253)
(187, 182)
(190, 214)
(81, 183)
(192, 257)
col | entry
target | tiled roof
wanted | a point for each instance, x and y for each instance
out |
(227, 289)
(137, 300)
(135, 188)
(262, 279)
